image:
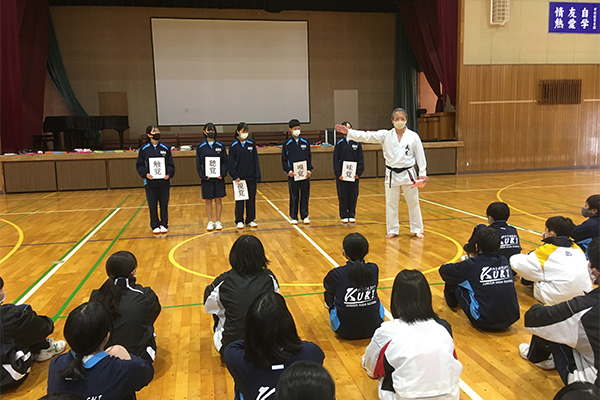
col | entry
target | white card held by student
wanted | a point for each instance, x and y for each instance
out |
(240, 190)
(157, 167)
(300, 171)
(212, 167)
(349, 171)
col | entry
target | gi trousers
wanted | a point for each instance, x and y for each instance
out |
(411, 196)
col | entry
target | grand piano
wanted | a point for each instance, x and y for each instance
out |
(74, 128)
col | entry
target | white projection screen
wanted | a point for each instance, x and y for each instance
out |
(227, 71)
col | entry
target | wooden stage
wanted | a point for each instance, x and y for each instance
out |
(54, 246)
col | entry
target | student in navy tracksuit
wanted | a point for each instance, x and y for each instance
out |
(347, 150)
(483, 286)
(212, 188)
(498, 213)
(355, 311)
(243, 165)
(294, 150)
(590, 228)
(157, 190)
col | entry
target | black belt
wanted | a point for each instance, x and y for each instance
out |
(399, 170)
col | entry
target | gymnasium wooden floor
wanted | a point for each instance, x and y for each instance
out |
(54, 245)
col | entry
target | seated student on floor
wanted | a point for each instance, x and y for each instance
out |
(305, 380)
(565, 335)
(497, 214)
(271, 344)
(590, 228)
(133, 308)
(413, 355)
(351, 292)
(231, 293)
(578, 391)
(90, 369)
(558, 268)
(483, 286)
(24, 339)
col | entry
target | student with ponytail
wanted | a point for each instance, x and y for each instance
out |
(133, 308)
(355, 311)
(90, 369)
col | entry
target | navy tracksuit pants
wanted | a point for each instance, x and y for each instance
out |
(154, 196)
(299, 193)
(250, 204)
(347, 196)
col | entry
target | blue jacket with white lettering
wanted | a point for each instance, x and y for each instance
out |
(243, 161)
(347, 150)
(509, 239)
(148, 151)
(294, 151)
(354, 313)
(486, 290)
(203, 150)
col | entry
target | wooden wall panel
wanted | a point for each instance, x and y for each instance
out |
(29, 177)
(78, 175)
(504, 128)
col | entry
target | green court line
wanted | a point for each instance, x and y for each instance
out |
(29, 213)
(26, 204)
(66, 303)
(68, 251)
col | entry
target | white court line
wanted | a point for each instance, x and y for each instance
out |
(470, 392)
(64, 260)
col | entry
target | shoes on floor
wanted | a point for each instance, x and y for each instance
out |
(210, 226)
(352, 220)
(56, 347)
(163, 229)
(240, 225)
(252, 224)
(156, 230)
(294, 222)
(547, 365)
(218, 225)
(344, 220)
(306, 221)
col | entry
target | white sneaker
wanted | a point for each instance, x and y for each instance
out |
(306, 221)
(218, 225)
(163, 229)
(294, 222)
(210, 226)
(252, 224)
(547, 365)
(344, 220)
(56, 347)
(351, 220)
(156, 230)
(240, 225)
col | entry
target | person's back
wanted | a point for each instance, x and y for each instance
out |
(483, 286)
(558, 268)
(590, 228)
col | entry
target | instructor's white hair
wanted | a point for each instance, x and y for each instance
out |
(399, 110)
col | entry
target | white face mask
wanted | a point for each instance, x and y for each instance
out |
(243, 136)
(399, 124)
(296, 132)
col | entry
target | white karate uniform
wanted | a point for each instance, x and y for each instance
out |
(398, 154)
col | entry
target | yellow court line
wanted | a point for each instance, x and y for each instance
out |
(515, 208)
(16, 246)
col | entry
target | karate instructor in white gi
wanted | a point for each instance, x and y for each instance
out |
(402, 148)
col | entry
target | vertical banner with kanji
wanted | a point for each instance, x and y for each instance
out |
(348, 171)
(240, 190)
(212, 167)
(157, 167)
(574, 17)
(300, 171)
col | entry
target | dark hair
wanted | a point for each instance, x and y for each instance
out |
(562, 226)
(356, 248)
(119, 266)
(593, 251)
(578, 391)
(487, 239)
(270, 332)
(209, 126)
(294, 123)
(399, 110)
(594, 202)
(62, 396)
(240, 127)
(411, 297)
(1, 283)
(305, 380)
(150, 128)
(247, 255)
(346, 123)
(498, 210)
(85, 330)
